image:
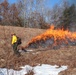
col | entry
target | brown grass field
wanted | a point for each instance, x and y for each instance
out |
(63, 56)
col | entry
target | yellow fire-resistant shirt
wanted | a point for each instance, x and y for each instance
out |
(14, 39)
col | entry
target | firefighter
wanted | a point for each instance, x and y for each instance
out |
(14, 44)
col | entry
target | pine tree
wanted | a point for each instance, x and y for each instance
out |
(69, 17)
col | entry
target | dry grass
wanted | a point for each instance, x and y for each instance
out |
(63, 56)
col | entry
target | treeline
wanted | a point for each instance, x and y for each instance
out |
(36, 14)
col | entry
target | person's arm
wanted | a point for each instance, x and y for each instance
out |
(12, 40)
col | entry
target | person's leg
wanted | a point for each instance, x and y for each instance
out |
(15, 49)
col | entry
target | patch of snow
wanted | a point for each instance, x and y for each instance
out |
(24, 71)
(44, 69)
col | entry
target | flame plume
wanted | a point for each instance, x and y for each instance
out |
(52, 38)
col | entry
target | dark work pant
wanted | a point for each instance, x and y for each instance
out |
(15, 48)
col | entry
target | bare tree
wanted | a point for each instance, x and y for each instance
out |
(5, 12)
(22, 8)
(14, 13)
(27, 8)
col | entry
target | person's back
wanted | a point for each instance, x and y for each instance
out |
(19, 40)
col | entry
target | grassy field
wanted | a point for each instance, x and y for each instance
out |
(63, 56)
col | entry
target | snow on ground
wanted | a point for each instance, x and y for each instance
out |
(43, 69)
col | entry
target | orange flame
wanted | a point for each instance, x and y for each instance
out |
(58, 34)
